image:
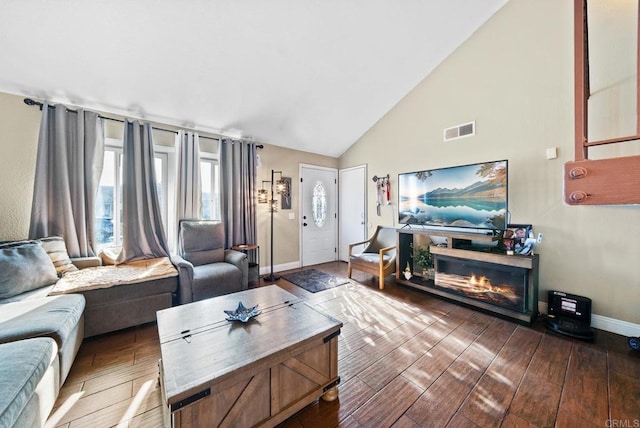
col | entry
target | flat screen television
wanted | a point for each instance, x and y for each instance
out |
(466, 196)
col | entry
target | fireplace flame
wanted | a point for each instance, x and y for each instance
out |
(482, 282)
(478, 286)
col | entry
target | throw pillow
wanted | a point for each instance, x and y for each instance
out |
(57, 251)
(25, 266)
(109, 255)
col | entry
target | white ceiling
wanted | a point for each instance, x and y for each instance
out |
(313, 75)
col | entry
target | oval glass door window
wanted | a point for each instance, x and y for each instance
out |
(319, 204)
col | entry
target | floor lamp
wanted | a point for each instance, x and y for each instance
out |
(279, 187)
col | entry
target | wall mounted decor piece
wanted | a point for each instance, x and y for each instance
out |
(285, 202)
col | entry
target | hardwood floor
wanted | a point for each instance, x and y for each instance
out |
(406, 359)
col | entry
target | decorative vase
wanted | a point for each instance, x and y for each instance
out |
(407, 275)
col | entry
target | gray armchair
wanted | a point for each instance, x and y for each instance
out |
(206, 269)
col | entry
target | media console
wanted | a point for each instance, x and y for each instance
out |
(494, 282)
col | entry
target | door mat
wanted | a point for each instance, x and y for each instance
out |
(313, 280)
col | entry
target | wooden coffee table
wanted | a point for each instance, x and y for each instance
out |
(215, 372)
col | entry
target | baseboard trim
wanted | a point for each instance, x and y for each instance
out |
(542, 307)
(613, 325)
(265, 270)
(600, 322)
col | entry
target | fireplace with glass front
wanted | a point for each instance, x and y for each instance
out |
(506, 285)
(491, 281)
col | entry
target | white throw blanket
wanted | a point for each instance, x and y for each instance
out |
(109, 276)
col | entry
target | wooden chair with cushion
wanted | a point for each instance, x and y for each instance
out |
(379, 256)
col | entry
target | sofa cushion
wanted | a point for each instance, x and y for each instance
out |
(24, 364)
(124, 292)
(214, 280)
(202, 242)
(133, 272)
(54, 316)
(373, 258)
(57, 251)
(38, 293)
(25, 266)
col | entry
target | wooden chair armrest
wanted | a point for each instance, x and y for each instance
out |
(356, 244)
(387, 249)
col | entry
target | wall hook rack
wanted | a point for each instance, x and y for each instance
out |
(376, 178)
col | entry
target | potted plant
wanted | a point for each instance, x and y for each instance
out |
(423, 258)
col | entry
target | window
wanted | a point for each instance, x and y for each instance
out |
(210, 176)
(161, 170)
(108, 207)
(319, 204)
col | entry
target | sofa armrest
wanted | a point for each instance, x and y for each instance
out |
(185, 278)
(239, 259)
(86, 262)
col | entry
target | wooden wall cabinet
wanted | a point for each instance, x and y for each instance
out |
(608, 181)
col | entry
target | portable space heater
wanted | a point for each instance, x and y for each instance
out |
(570, 315)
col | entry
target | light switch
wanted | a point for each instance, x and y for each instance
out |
(292, 216)
(552, 152)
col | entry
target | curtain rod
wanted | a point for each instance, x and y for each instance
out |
(31, 102)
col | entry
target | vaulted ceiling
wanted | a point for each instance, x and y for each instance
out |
(312, 75)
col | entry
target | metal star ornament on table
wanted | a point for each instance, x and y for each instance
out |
(242, 313)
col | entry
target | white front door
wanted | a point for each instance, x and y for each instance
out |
(318, 214)
(352, 210)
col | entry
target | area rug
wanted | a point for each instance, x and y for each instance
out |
(313, 280)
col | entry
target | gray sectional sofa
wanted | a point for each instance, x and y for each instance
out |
(126, 305)
(29, 381)
(40, 335)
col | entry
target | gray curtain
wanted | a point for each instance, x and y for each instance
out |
(189, 194)
(238, 192)
(143, 234)
(68, 169)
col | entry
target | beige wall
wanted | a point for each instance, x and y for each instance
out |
(612, 72)
(19, 125)
(286, 244)
(514, 77)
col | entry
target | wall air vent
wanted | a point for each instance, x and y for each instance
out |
(460, 131)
